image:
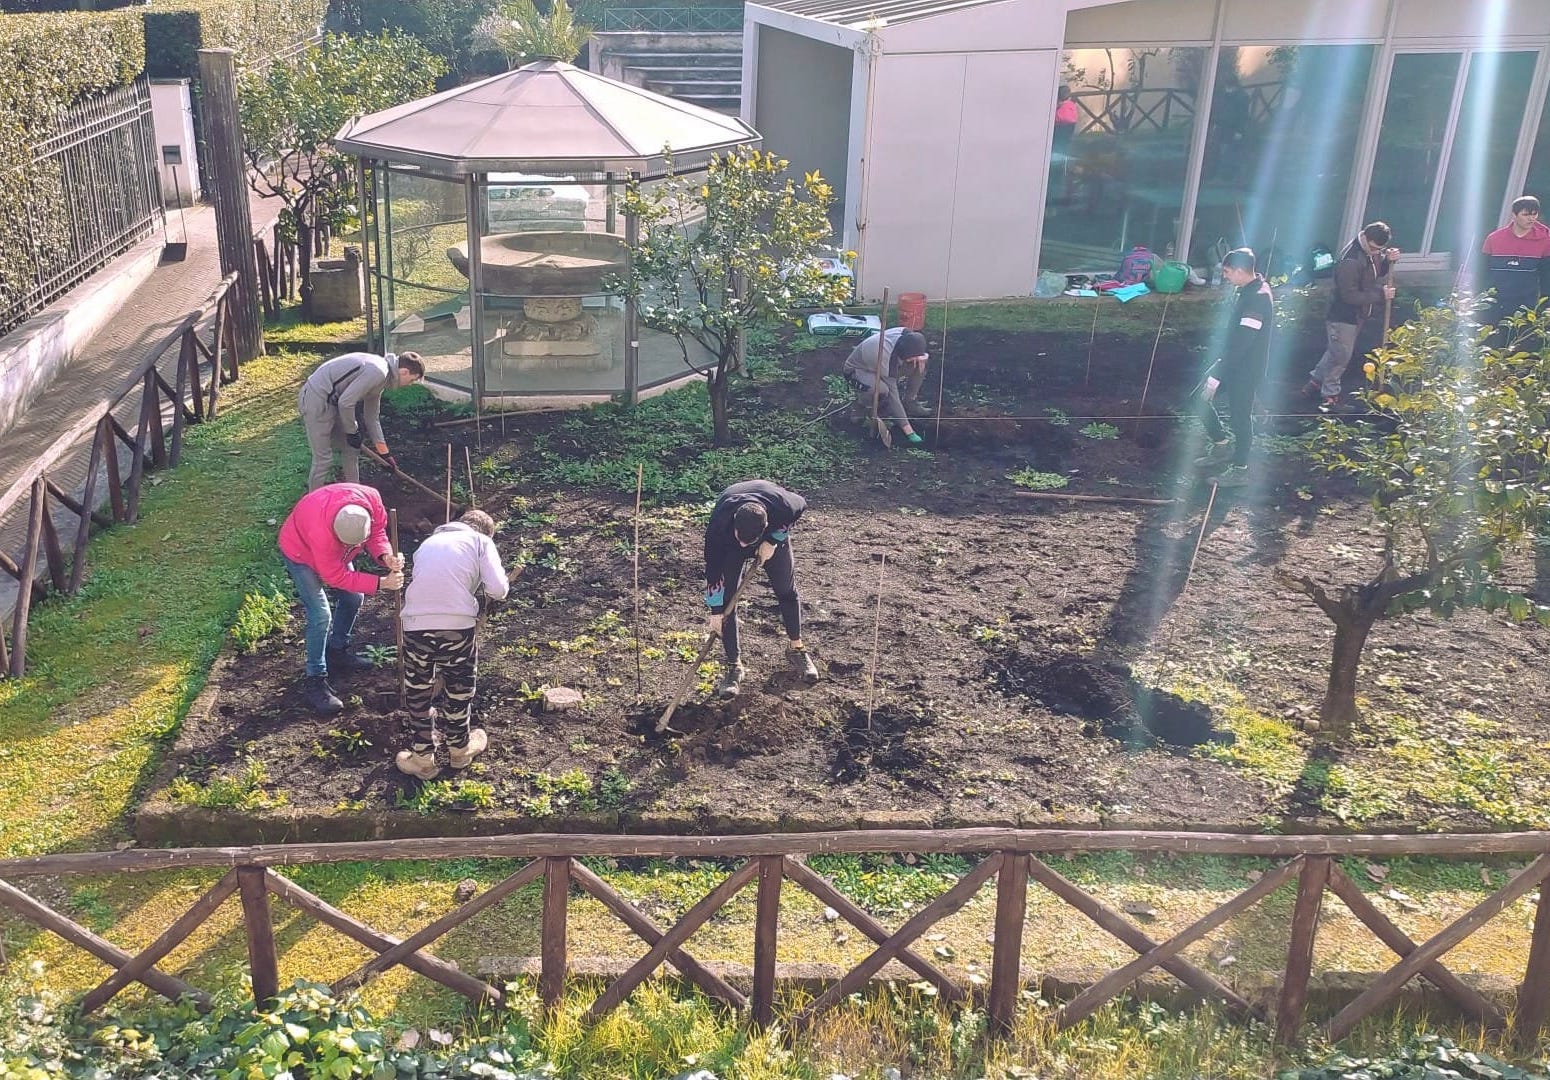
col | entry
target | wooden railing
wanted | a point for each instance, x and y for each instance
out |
(194, 395)
(1011, 857)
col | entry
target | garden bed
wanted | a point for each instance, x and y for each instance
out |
(1037, 661)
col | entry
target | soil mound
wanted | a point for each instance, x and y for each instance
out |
(893, 741)
(1106, 698)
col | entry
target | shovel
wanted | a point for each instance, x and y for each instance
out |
(694, 669)
(369, 452)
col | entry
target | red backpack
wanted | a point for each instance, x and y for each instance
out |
(1136, 267)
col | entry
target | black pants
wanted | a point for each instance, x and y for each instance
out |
(451, 653)
(781, 570)
(1239, 389)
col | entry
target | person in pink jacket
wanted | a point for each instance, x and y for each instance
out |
(320, 539)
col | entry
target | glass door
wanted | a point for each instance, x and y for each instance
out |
(1446, 145)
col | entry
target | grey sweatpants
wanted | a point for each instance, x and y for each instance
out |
(890, 403)
(325, 434)
(1341, 339)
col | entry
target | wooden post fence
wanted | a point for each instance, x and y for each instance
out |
(151, 445)
(1008, 858)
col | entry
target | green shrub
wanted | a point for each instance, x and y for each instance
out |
(175, 31)
(245, 791)
(65, 57)
(264, 612)
(1034, 480)
(445, 27)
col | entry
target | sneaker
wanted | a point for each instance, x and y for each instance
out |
(1214, 456)
(1233, 476)
(1330, 404)
(344, 662)
(802, 664)
(462, 756)
(1312, 388)
(918, 408)
(728, 686)
(320, 697)
(420, 764)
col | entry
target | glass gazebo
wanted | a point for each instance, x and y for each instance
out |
(494, 224)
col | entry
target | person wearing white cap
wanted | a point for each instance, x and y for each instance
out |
(328, 400)
(319, 540)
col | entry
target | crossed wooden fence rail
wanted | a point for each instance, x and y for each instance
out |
(194, 395)
(767, 862)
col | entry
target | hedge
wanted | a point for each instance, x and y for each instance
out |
(65, 57)
(175, 30)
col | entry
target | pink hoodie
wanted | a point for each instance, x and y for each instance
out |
(307, 537)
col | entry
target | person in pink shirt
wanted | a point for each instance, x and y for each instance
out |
(320, 539)
(1066, 117)
(1518, 259)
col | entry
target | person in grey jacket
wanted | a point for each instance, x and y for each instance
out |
(328, 400)
(903, 357)
(441, 619)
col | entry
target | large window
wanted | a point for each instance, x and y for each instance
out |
(1279, 148)
(1424, 97)
(1117, 178)
(1538, 180)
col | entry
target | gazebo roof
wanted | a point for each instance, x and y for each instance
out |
(546, 115)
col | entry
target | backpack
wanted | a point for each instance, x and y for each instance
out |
(1136, 267)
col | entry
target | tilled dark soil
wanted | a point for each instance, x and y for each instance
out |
(989, 684)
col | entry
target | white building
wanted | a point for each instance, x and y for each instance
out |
(935, 121)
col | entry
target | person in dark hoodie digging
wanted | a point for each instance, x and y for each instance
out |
(753, 520)
(1361, 289)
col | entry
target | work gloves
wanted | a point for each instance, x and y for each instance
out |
(391, 582)
(713, 625)
(354, 439)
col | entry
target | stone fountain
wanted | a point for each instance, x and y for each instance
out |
(537, 281)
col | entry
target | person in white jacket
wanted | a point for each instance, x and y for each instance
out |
(441, 615)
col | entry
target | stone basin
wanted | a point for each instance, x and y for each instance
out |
(545, 263)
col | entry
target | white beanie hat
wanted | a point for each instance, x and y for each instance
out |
(352, 525)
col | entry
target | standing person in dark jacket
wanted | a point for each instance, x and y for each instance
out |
(753, 520)
(1241, 367)
(1361, 289)
(1518, 259)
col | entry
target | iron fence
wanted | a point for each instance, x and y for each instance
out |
(93, 192)
(700, 20)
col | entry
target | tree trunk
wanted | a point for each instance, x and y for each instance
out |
(722, 426)
(304, 241)
(1352, 625)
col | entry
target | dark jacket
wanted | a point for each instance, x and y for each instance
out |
(1248, 339)
(1358, 288)
(782, 509)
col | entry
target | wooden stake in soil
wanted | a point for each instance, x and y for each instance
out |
(640, 475)
(877, 626)
(1092, 336)
(877, 374)
(468, 466)
(941, 372)
(1199, 539)
(1141, 412)
(449, 481)
(398, 611)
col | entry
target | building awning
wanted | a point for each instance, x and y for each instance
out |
(545, 116)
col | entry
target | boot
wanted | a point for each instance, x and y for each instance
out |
(462, 756)
(420, 764)
(918, 408)
(802, 664)
(344, 662)
(1218, 454)
(728, 686)
(319, 696)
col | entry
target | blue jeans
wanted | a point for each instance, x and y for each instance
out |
(325, 629)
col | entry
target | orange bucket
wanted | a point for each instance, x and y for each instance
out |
(912, 310)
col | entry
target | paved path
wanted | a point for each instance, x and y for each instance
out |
(100, 371)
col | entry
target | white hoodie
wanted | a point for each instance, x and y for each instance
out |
(449, 568)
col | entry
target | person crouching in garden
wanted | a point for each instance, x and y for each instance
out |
(877, 372)
(441, 617)
(753, 520)
(1241, 368)
(320, 539)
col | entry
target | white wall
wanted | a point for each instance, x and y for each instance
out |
(954, 174)
(172, 116)
(805, 120)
